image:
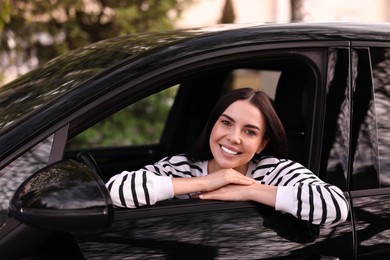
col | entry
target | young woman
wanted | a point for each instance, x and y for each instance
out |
(236, 158)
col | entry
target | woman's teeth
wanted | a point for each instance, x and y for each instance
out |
(228, 151)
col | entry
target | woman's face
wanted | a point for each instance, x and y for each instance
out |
(236, 136)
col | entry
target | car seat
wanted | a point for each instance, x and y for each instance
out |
(292, 103)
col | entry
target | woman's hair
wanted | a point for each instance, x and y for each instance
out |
(277, 145)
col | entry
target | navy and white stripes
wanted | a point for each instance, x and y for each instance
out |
(300, 192)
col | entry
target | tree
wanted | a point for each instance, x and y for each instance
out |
(299, 10)
(35, 31)
(228, 15)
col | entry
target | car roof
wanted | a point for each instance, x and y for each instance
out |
(28, 95)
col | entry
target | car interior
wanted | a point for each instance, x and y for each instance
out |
(291, 90)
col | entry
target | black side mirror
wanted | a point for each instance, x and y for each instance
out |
(65, 196)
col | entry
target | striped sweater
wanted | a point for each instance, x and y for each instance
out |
(300, 192)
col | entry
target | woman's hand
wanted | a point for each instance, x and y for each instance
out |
(210, 182)
(231, 192)
(258, 192)
(225, 177)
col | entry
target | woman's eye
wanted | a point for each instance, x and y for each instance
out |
(250, 132)
(225, 122)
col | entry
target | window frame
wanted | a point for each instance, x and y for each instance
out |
(199, 64)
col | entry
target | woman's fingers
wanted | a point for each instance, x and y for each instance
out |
(235, 177)
(265, 194)
(241, 180)
(229, 192)
(225, 177)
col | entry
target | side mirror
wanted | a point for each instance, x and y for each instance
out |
(65, 196)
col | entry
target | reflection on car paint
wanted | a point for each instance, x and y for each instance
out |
(243, 233)
(19, 170)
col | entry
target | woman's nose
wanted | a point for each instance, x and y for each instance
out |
(234, 136)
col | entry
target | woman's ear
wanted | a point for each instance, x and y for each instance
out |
(263, 144)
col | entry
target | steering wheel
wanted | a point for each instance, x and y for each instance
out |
(88, 160)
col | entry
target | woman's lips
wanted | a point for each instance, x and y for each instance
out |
(228, 151)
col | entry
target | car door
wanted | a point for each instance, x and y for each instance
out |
(296, 78)
(370, 152)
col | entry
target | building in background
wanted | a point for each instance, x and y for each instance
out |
(208, 12)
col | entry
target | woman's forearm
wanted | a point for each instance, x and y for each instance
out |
(187, 185)
(265, 194)
(210, 182)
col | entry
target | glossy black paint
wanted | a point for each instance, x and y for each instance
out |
(198, 236)
(372, 215)
(65, 196)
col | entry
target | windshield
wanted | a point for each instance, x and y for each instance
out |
(39, 87)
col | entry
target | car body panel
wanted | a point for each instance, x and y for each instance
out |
(219, 235)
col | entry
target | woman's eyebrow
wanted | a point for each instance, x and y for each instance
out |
(248, 125)
(228, 117)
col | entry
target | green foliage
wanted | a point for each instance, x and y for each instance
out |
(46, 29)
(5, 13)
(140, 123)
(51, 28)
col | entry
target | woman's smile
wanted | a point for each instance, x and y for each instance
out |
(228, 151)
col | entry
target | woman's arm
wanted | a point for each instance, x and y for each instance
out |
(209, 182)
(264, 194)
(139, 188)
(152, 183)
(167, 178)
(302, 194)
(291, 188)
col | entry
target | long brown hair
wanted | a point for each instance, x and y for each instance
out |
(277, 146)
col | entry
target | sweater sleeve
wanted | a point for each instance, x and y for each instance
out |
(152, 183)
(139, 188)
(302, 194)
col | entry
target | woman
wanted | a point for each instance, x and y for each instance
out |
(236, 158)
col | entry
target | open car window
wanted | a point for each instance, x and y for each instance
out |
(168, 121)
(141, 123)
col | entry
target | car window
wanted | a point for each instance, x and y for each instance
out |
(370, 139)
(381, 75)
(364, 132)
(141, 123)
(20, 169)
(335, 150)
(371, 127)
(265, 80)
(169, 121)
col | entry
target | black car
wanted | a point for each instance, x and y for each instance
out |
(329, 83)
